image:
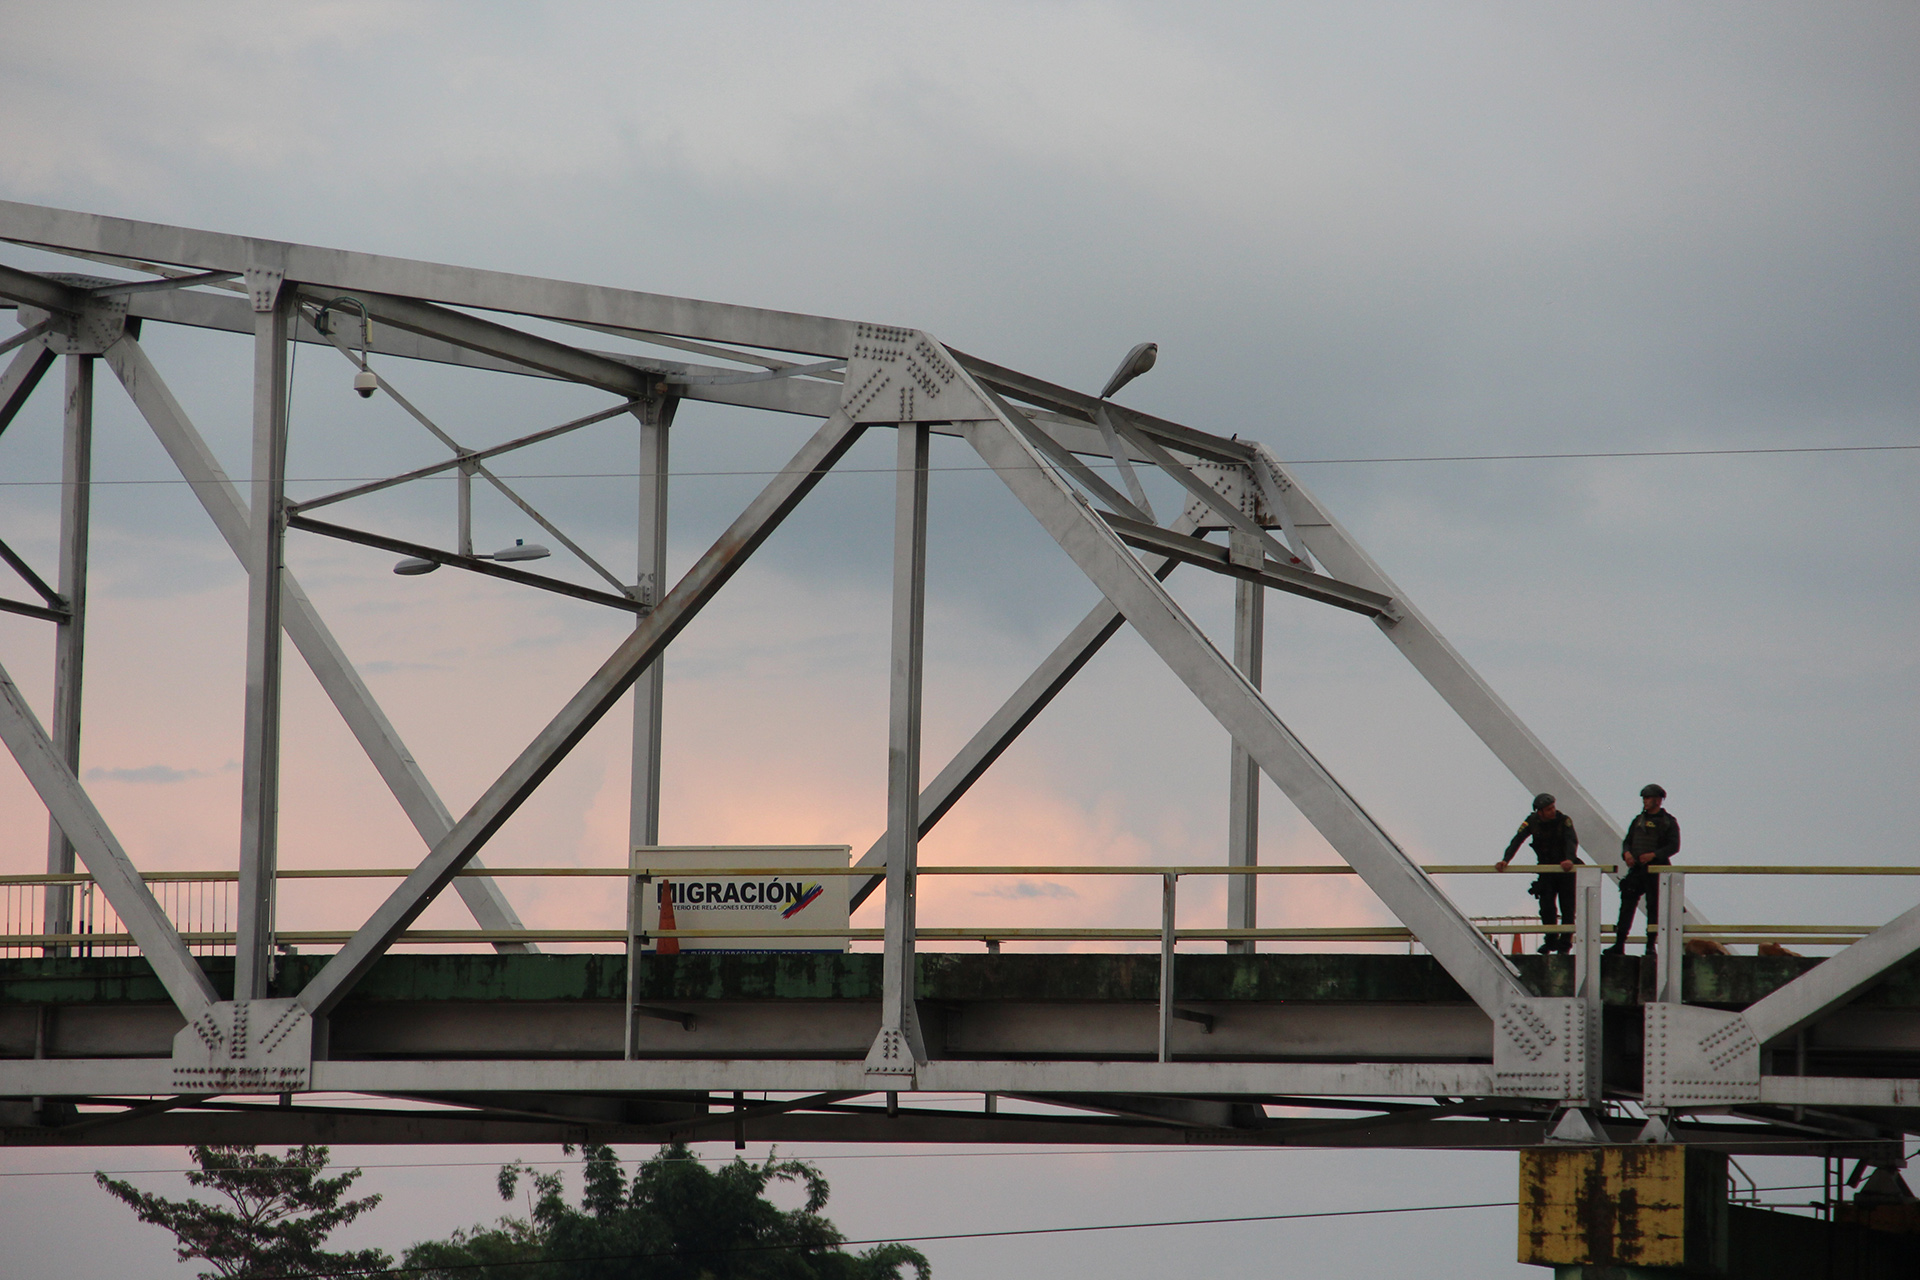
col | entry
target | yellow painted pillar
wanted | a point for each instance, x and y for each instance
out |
(1641, 1206)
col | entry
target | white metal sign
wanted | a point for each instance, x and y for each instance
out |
(737, 891)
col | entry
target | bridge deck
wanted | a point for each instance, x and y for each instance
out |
(529, 1047)
(1279, 1007)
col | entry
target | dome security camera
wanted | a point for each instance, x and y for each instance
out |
(366, 383)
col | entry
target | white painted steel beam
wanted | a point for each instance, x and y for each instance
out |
(1123, 462)
(1836, 980)
(1208, 496)
(1068, 415)
(582, 712)
(541, 355)
(108, 863)
(1670, 967)
(899, 1047)
(1254, 568)
(336, 673)
(265, 544)
(1588, 988)
(1243, 773)
(58, 229)
(1406, 890)
(807, 397)
(655, 416)
(1839, 1091)
(37, 290)
(1064, 458)
(70, 634)
(150, 1076)
(225, 313)
(23, 373)
(27, 334)
(1080, 407)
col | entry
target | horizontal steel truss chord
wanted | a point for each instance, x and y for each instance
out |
(631, 1120)
(431, 283)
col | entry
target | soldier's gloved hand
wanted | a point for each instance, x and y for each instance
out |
(1499, 866)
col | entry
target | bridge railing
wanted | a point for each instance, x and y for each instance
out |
(65, 914)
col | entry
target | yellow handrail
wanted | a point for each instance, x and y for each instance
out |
(1827, 934)
(677, 873)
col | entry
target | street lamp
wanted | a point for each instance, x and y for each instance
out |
(1137, 362)
(413, 566)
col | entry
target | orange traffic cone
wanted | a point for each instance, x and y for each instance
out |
(1516, 943)
(666, 946)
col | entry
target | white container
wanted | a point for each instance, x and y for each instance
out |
(784, 892)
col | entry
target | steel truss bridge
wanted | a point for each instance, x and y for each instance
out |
(1459, 1047)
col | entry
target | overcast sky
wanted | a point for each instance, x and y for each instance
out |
(1358, 232)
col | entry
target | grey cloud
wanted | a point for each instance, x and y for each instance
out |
(386, 668)
(157, 774)
(1027, 889)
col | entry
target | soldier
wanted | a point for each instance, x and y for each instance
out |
(1554, 841)
(1653, 837)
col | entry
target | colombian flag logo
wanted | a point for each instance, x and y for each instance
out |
(801, 903)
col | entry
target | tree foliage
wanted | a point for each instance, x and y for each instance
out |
(278, 1213)
(675, 1220)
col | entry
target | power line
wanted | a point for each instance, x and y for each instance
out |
(920, 1239)
(1621, 453)
(1139, 1226)
(1298, 462)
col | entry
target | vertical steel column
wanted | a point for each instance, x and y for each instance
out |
(1672, 944)
(1169, 913)
(70, 636)
(656, 417)
(643, 821)
(463, 489)
(638, 886)
(260, 762)
(1243, 787)
(1586, 958)
(899, 1046)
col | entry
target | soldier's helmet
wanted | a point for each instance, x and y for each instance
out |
(1653, 789)
(1541, 801)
